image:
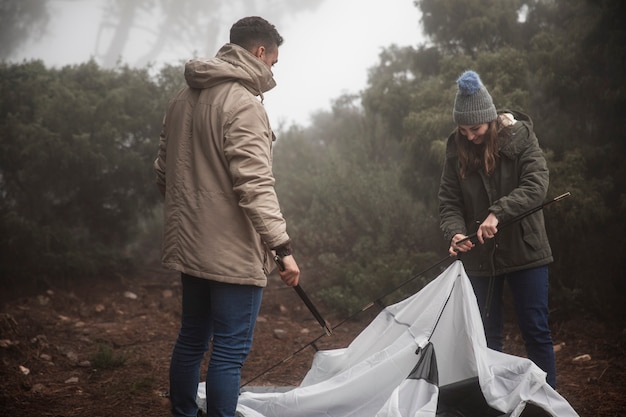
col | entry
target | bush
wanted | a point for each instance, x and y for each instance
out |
(76, 152)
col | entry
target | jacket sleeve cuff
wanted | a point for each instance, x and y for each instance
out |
(283, 250)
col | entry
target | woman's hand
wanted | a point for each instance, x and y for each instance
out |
(455, 247)
(488, 228)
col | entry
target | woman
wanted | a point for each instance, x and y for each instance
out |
(494, 170)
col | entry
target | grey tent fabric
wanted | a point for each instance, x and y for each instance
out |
(379, 374)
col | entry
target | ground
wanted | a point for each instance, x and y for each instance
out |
(102, 350)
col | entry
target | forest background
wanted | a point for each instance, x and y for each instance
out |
(359, 184)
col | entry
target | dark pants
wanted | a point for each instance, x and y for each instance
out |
(225, 313)
(529, 289)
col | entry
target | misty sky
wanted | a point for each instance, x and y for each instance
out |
(317, 66)
(326, 52)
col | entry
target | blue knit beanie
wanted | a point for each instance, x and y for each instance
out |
(473, 104)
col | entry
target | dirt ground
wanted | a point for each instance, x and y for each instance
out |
(103, 350)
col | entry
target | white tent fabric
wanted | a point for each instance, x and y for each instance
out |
(369, 377)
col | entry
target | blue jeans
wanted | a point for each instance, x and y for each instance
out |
(225, 313)
(529, 289)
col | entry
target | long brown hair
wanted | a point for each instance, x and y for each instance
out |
(485, 156)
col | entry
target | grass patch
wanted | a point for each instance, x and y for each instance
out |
(145, 384)
(106, 358)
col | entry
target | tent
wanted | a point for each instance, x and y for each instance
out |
(424, 356)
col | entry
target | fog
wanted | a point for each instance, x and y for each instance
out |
(329, 44)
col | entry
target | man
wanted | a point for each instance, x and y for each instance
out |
(221, 212)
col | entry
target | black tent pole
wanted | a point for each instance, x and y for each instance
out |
(324, 324)
(472, 237)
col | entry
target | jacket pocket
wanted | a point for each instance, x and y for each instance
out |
(530, 234)
(268, 260)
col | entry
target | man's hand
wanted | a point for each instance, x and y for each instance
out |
(290, 273)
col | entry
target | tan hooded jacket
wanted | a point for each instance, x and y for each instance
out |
(214, 167)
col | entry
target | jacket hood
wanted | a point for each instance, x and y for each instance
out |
(523, 131)
(232, 63)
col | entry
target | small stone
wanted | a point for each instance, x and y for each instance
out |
(38, 388)
(46, 357)
(5, 343)
(280, 334)
(40, 339)
(24, 370)
(72, 356)
(582, 358)
(72, 380)
(131, 295)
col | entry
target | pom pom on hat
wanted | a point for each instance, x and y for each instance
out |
(473, 105)
(469, 83)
